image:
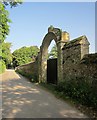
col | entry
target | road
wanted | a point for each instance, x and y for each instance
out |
(23, 99)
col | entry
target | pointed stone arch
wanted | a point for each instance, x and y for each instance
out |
(60, 39)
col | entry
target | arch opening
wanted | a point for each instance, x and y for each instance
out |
(49, 64)
(52, 63)
(52, 50)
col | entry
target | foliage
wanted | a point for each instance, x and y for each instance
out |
(53, 52)
(2, 66)
(89, 58)
(4, 18)
(13, 3)
(6, 53)
(78, 91)
(50, 87)
(24, 55)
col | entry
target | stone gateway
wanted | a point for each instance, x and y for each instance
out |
(60, 38)
(73, 59)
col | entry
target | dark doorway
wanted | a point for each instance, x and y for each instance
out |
(52, 71)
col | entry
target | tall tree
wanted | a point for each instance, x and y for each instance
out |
(13, 3)
(25, 55)
(6, 53)
(4, 18)
(53, 52)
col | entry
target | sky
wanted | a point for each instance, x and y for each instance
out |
(30, 22)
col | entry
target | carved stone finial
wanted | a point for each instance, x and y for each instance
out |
(65, 36)
(51, 28)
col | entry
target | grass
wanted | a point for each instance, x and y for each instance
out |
(87, 104)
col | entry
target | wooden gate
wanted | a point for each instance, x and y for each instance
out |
(52, 71)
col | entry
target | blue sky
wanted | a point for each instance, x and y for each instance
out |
(30, 21)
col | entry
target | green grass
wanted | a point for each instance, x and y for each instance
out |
(52, 89)
(2, 66)
(76, 91)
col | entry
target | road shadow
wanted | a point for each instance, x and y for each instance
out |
(22, 99)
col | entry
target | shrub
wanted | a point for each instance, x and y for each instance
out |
(79, 90)
(2, 66)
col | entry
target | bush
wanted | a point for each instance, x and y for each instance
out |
(80, 91)
(2, 66)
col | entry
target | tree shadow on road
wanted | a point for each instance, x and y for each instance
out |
(21, 99)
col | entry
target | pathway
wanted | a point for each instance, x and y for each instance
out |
(22, 99)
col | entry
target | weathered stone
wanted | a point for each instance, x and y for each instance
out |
(60, 39)
(74, 60)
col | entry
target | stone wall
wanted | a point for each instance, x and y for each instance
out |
(29, 70)
(74, 60)
(78, 63)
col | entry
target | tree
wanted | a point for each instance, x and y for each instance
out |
(13, 3)
(2, 66)
(53, 52)
(24, 55)
(4, 18)
(6, 53)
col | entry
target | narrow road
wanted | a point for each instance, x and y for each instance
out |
(22, 99)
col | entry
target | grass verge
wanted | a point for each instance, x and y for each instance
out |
(60, 92)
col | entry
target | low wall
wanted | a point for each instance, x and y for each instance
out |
(29, 70)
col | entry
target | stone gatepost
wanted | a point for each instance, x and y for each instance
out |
(39, 65)
(64, 39)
